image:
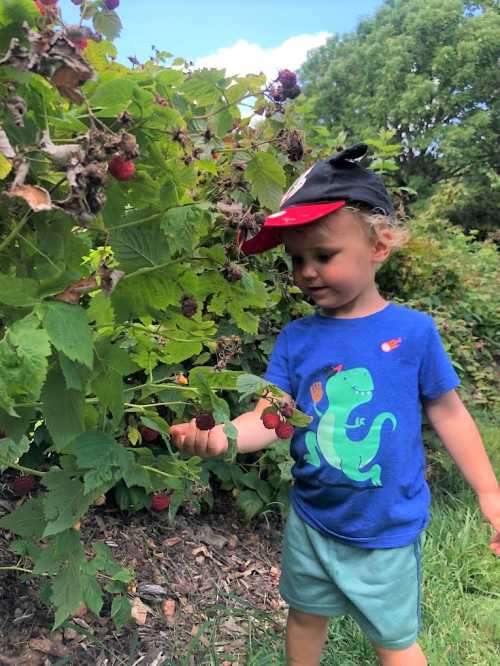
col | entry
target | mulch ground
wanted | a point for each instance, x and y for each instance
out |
(204, 587)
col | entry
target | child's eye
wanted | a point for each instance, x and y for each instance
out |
(324, 257)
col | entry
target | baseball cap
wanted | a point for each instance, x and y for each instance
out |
(324, 188)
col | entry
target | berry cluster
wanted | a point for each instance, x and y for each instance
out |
(275, 418)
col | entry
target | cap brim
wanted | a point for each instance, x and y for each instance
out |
(269, 235)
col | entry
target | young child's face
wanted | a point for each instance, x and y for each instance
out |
(334, 260)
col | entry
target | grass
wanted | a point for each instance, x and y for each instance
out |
(461, 585)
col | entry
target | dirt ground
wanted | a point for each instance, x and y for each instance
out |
(204, 587)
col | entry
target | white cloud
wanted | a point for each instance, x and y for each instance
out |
(247, 58)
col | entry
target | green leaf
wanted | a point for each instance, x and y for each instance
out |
(61, 548)
(63, 409)
(16, 426)
(67, 594)
(108, 23)
(23, 363)
(27, 521)
(18, 292)
(202, 88)
(267, 179)
(250, 503)
(248, 384)
(10, 451)
(68, 329)
(136, 248)
(112, 95)
(75, 374)
(65, 503)
(183, 227)
(120, 611)
(92, 594)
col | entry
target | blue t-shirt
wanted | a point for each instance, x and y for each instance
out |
(359, 465)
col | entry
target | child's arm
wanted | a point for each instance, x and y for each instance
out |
(252, 434)
(458, 432)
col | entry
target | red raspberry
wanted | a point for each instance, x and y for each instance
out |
(205, 421)
(270, 420)
(285, 430)
(49, 2)
(111, 4)
(148, 434)
(160, 501)
(23, 485)
(121, 169)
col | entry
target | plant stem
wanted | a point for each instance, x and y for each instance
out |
(15, 230)
(27, 470)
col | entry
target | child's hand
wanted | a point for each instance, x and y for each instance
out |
(490, 508)
(196, 442)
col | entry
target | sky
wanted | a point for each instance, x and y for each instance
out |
(252, 37)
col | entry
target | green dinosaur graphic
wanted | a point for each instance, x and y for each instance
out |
(346, 390)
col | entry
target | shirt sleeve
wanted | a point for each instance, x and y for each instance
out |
(437, 375)
(278, 367)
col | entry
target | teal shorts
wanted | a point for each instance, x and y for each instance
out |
(378, 587)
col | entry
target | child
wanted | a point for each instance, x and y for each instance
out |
(363, 368)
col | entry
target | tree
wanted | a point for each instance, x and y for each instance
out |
(429, 70)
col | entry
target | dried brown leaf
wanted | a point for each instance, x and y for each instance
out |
(47, 646)
(36, 197)
(139, 611)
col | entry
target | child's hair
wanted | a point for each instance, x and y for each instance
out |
(375, 224)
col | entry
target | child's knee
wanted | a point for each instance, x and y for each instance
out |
(307, 619)
(411, 656)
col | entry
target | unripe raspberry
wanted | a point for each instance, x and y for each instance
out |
(189, 306)
(271, 420)
(205, 421)
(285, 430)
(181, 379)
(148, 434)
(121, 169)
(23, 485)
(160, 501)
(111, 4)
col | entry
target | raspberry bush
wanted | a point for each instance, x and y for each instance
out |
(123, 294)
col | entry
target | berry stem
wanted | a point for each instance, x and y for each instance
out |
(10, 237)
(27, 470)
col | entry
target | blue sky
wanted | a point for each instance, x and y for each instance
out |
(257, 35)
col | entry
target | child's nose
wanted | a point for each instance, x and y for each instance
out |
(309, 271)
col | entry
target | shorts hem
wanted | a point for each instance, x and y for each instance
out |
(393, 645)
(324, 611)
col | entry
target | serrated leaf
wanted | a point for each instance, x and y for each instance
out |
(248, 384)
(27, 521)
(18, 292)
(202, 88)
(68, 330)
(61, 548)
(63, 409)
(120, 611)
(16, 426)
(92, 594)
(67, 594)
(23, 363)
(11, 451)
(112, 96)
(65, 503)
(75, 374)
(108, 23)
(267, 179)
(183, 227)
(136, 248)
(250, 503)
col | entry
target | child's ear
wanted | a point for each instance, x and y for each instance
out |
(382, 245)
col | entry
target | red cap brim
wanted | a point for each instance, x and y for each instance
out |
(269, 235)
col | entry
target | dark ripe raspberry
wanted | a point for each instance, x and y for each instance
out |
(287, 78)
(3, 434)
(259, 218)
(124, 118)
(232, 273)
(208, 134)
(23, 485)
(271, 420)
(205, 421)
(160, 501)
(148, 434)
(292, 93)
(180, 136)
(111, 4)
(284, 430)
(121, 169)
(287, 410)
(189, 306)
(295, 149)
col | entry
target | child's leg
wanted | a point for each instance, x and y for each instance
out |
(412, 656)
(305, 637)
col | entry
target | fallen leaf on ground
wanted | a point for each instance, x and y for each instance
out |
(139, 611)
(168, 607)
(47, 646)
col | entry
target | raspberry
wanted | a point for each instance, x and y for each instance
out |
(148, 434)
(181, 379)
(111, 4)
(49, 2)
(284, 430)
(205, 421)
(160, 501)
(232, 273)
(287, 78)
(121, 169)
(292, 93)
(189, 306)
(271, 420)
(3, 434)
(23, 485)
(287, 410)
